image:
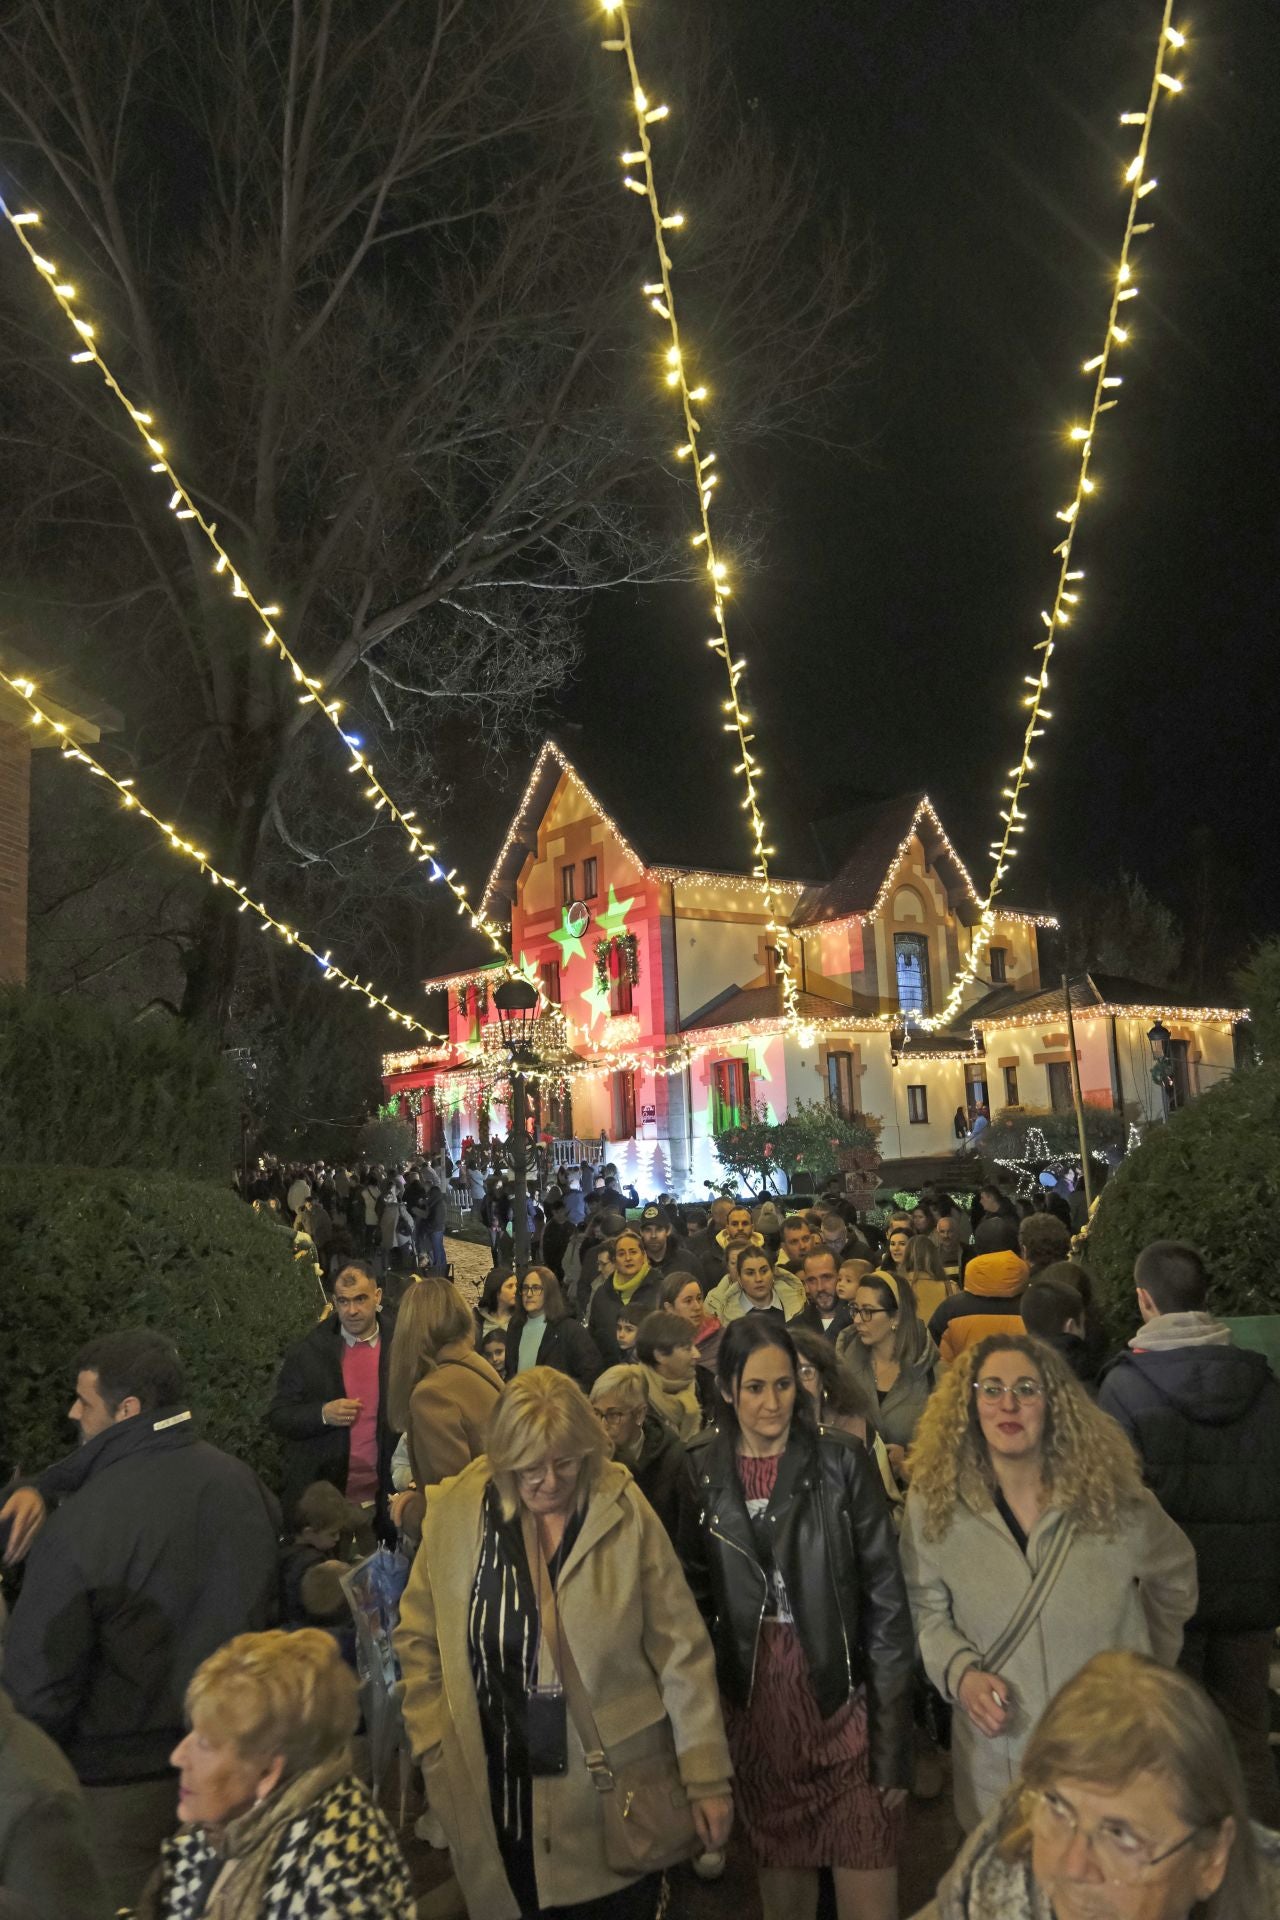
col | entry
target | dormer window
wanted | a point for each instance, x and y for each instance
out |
(911, 959)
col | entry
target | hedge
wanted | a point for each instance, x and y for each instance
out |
(79, 1086)
(1210, 1176)
(84, 1251)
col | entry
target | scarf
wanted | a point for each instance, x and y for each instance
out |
(249, 1843)
(626, 1288)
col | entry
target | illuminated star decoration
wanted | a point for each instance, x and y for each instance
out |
(570, 944)
(613, 920)
(597, 998)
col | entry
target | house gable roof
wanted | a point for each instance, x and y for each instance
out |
(878, 836)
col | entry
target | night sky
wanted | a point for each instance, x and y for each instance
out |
(891, 621)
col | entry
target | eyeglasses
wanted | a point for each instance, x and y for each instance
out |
(1022, 1390)
(614, 1416)
(866, 1313)
(806, 1372)
(1122, 1858)
(548, 1470)
(531, 1287)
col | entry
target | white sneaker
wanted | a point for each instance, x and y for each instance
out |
(709, 1866)
(427, 1827)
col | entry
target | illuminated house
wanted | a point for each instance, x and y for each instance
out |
(665, 976)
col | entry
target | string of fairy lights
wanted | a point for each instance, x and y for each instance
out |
(27, 691)
(661, 298)
(1066, 597)
(311, 690)
(692, 399)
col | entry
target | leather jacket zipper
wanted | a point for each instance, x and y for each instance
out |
(756, 1568)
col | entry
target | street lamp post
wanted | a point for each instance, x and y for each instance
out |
(1162, 1071)
(516, 1002)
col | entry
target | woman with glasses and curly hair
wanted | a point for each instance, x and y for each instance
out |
(1029, 1545)
(1129, 1803)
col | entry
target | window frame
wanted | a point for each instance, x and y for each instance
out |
(918, 1109)
(591, 876)
(551, 987)
(725, 1111)
(842, 1078)
(1058, 1077)
(568, 883)
(1000, 972)
(1011, 1086)
(920, 942)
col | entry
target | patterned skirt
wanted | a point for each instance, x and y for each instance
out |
(801, 1782)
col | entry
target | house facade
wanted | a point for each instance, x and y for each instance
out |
(669, 1021)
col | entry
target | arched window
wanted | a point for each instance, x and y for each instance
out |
(911, 957)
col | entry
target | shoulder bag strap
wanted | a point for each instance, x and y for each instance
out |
(1028, 1610)
(575, 1693)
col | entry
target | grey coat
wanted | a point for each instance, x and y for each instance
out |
(1136, 1590)
(45, 1859)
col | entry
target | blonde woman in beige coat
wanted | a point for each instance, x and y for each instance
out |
(525, 1840)
(1015, 1471)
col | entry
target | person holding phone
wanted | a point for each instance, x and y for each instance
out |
(1029, 1545)
(546, 1581)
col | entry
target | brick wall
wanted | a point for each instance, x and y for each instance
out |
(15, 799)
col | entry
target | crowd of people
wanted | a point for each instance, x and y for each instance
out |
(734, 1518)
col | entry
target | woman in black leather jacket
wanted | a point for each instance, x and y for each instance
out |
(812, 1631)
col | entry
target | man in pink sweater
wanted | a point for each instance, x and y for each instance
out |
(330, 1401)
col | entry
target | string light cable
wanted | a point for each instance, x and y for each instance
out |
(661, 298)
(1066, 597)
(183, 507)
(27, 691)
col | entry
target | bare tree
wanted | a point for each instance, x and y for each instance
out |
(371, 269)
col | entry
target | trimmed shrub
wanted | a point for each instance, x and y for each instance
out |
(1210, 1176)
(84, 1251)
(81, 1087)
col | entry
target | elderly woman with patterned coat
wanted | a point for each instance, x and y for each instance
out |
(541, 1554)
(273, 1822)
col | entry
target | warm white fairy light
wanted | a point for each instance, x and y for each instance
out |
(311, 691)
(661, 298)
(27, 691)
(1013, 815)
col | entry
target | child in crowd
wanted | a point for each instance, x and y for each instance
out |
(626, 1330)
(494, 1349)
(330, 1535)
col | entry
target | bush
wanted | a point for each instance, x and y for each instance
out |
(810, 1141)
(1008, 1135)
(80, 1086)
(1210, 1176)
(85, 1251)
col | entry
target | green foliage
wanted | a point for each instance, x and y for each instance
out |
(1210, 1176)
(1007, 1137)
(84, 1251)
(316, 1072)
(1258, 984)
(1118, 927)
(809, 1141)
(80, 1085)
(386, 1141)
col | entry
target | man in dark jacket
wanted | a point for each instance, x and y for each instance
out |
(331, 1397)
(1205, 1416)
(163, 1548)
(666, 1252)
(823, 1312)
